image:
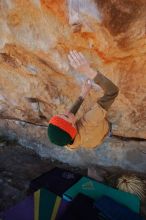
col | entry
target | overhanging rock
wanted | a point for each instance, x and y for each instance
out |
(129, 155)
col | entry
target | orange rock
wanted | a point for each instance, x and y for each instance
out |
(58, 7)
(35, 39)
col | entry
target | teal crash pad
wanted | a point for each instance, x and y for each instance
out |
(95, 190)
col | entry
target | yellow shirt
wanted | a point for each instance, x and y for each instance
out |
(94, 123)
(94, 127)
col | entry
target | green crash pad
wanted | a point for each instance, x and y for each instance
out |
(46, 204)
(95, 190)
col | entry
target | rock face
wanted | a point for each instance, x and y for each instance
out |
(36, 80)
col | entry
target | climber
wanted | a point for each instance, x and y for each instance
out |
(90, 130)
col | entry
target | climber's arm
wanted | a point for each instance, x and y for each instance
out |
(81, 64)
(110, 90)
(84, 92)
(75, 107)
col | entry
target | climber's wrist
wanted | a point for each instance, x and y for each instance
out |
(92, 74)
(82, 96)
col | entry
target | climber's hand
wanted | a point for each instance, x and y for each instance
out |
(81, 64)
(86, 88)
